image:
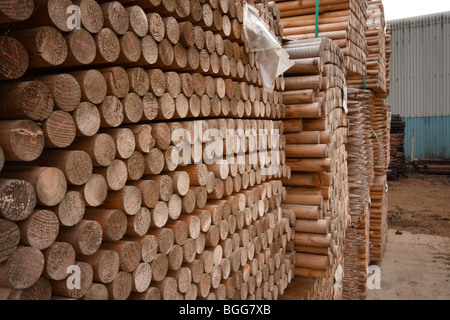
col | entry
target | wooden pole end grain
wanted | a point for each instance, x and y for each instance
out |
(41, 290)
(116, 174)
(10, 237)
(22, 269)
(26, 100)
(117, 81)
(112, 221)
(40, 229)
(13, 60)
(130, 47)
(18, 199)
(21, 140)
(156, 27)
(49, 182)
(87, 119)
(138, 20)
(59, 130)
(16, 10)
(71, 209)
(160, 214)
(96, 292)
(149, 54)
(65, 90)
(173, 84)
(139, 224)
(139, 81)
(157, 82)
(58, 257)
(172, 29)
(82, 48)
(101, 148)
(116, 17)
(46, 46)
(108, 46)
(93, 85)
(91, 15)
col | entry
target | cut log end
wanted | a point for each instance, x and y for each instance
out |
(13, 59)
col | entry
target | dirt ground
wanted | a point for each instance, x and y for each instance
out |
(416, 261)
(420, 204)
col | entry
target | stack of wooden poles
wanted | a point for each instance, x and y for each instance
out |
(360, 171)
(93, 177)
(377, 128)
(380, 118)
(432, 166)
(388, 37)
(375, 77)
(397, 165)
(316, 132)
(367, 149)
(343, 21)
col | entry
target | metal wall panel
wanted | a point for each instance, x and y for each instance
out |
(431, 137)
(420, 82)
(420, 66)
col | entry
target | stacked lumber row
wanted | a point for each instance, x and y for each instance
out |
(381, 121)
(271, 16)
(432, 166)
(343, 21)
(377, 80)
(360, 171)
(380, 117)
(376, 75)
(93, 174)
(397, 165)
(388, 58)
(316, 131)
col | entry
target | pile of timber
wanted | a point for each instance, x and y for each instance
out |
(376, 77)
(397, 165)
(388, 37)
(378, 81)
(317, 190)
(380, 117)
(343, 21)
(432, 166)
(92, 176)
(360, 171)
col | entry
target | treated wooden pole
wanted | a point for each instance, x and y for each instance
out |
(14, 58)
(10, 237)
(22, 269)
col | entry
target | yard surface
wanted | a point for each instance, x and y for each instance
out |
(416, 261)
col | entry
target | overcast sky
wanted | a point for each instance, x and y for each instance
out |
(399, 9)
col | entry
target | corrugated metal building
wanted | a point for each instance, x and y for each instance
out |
(420, 83)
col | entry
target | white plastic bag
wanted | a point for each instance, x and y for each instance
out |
(273, 59)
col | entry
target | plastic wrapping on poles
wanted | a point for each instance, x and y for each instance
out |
(273, 59)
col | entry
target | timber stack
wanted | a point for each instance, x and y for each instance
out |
(342, 21)
(378, 118)
(92, 174)
(432, 166)
(357, 28)
(316, 132)
(361, 175)
(397, 165)
(375, 77)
